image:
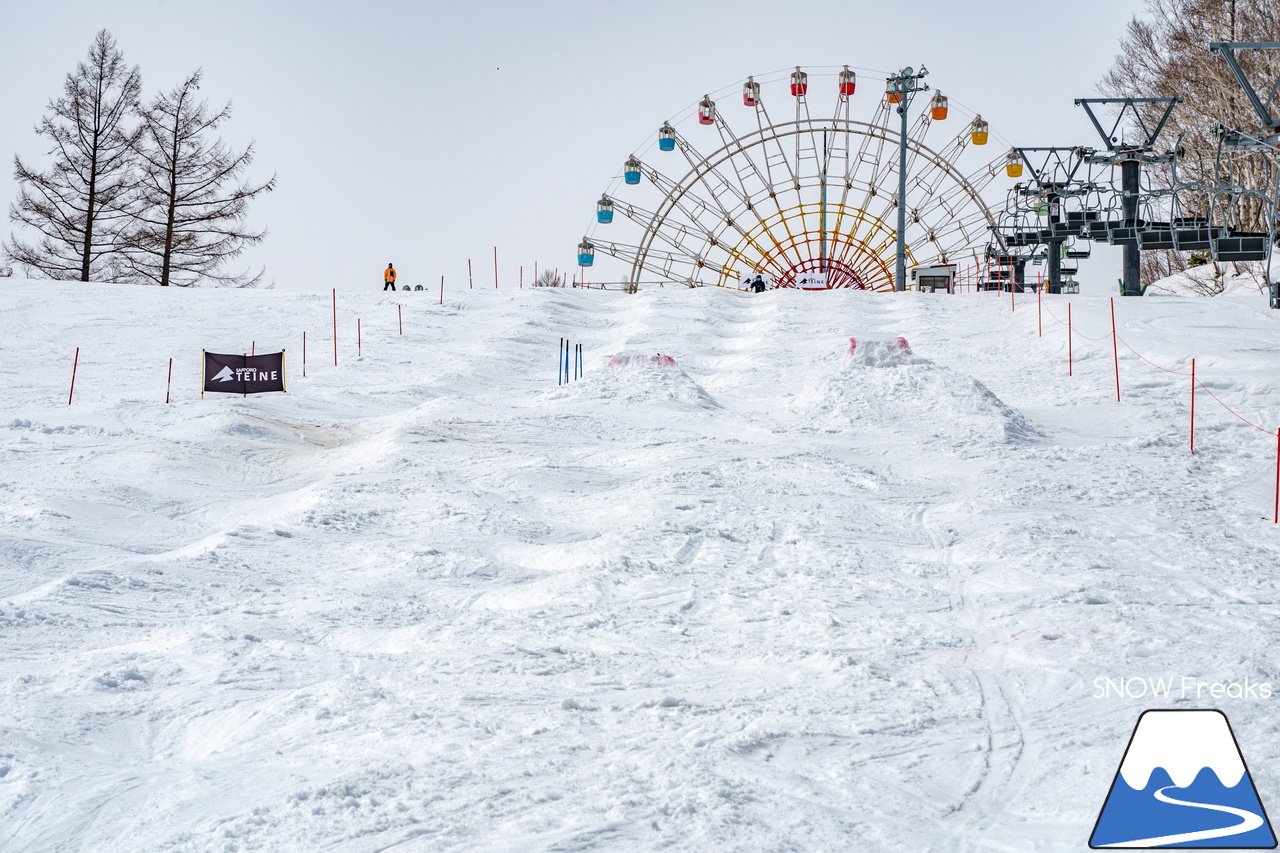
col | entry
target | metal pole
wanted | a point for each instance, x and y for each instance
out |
(1130, 183)
(1054, 248)
(822, 228)
(900, 267)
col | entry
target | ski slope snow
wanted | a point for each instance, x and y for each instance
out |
(774, 597)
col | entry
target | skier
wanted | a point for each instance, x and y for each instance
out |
(389, 278)
(758, 284)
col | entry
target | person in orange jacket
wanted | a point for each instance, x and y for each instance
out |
(389, 278)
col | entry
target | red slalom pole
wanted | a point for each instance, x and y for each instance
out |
(1115, 353)
(1193, 405)
(400, 314)
(253, 347)
(1071, 363)
(335, 327)
(1039, 314)
(169, 383)
(74, 365)
(359, 346)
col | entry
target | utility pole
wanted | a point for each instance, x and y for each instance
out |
(900, 89)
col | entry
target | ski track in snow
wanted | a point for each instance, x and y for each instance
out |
(775, 598)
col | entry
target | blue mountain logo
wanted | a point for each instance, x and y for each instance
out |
(1183, 783)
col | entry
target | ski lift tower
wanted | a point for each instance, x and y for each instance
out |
(1268, 141)
(1053, 178)
(1130, 157)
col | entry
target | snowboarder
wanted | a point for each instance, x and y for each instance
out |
(758, 285)
(389, 278)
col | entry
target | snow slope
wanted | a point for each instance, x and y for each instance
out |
(775, 598)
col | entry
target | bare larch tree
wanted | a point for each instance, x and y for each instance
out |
(190, 205)
(76, 205)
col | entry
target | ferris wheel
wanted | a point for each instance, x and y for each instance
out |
(806, 200)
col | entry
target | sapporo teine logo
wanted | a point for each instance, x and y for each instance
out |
(1183, 783)
(244, 374)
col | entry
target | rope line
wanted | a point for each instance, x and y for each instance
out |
(1076, 331)
(1149, 361)
(1054, 316)
(1233, 411)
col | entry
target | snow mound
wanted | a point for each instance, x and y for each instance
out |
(643, 380)
(886, 352)
(883, 385)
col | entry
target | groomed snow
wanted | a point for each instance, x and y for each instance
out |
(774, 598)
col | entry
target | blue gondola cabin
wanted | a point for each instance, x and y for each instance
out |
(667, 137)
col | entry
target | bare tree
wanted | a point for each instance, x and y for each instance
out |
(190, 205)
(75, 206)
(1166, 54)
(550, 278)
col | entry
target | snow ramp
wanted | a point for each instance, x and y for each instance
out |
(639, 378)
(883, 384)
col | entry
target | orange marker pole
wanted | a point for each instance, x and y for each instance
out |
(1039, 315)
(74, 365)
(1115, 353)
(1071, 363)
(1193, 405)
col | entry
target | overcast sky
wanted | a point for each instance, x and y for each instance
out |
(428, 133)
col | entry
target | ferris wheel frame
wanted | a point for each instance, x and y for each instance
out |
(746, 181)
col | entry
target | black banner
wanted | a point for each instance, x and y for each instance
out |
(244, 374)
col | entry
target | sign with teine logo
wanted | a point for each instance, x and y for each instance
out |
(243, 374)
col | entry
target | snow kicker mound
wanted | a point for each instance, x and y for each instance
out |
(882, 384)
(645, 378)
(885, 352)
(633, 359)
